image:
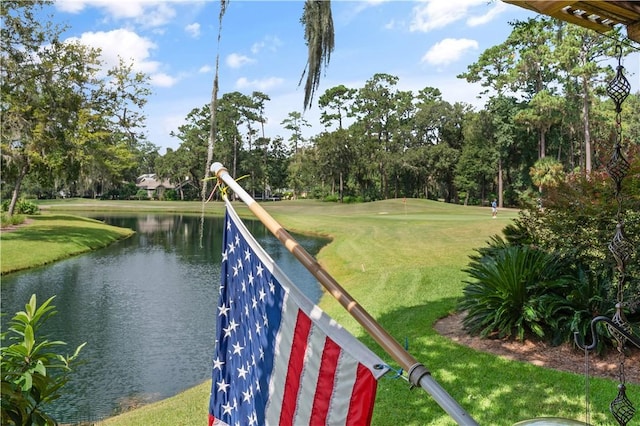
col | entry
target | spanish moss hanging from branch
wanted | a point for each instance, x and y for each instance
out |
(319, 36)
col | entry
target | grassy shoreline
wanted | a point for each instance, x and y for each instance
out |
(403, 262)
(51, 237)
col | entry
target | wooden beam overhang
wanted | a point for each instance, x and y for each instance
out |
(598, 15)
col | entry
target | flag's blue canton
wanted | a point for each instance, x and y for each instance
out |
(249, 314)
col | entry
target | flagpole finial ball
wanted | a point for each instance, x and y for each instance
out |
(217, 168)
(550, 421)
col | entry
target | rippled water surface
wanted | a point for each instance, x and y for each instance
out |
(146, 307)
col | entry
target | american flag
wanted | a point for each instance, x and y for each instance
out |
(279, 359)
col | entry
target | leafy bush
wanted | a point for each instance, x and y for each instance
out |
(553, 271)
(516, 235)
(331, 198)
(125, 191)
(350, 199)
(32, 375)
(170, 195)
(26, 207)
(589, 296)
(142, 195)
(578, 222)
(513, 291)
(22, 207)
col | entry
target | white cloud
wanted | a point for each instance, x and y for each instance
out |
(150, 13)
(70, 6)
(205, 69)
(448, 50)
(236, 60)
(158, 16)
(129, 46)
(193, 30)
(497, 9)
(261, 85)
(121, 43)
(433, 14)
(163, 80)
(271, 43)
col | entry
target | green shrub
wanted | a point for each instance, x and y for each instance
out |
(350, 199)
(142, 194)
(26, 207)
(516, 235)
(558, 310)
(170, 195)
(578, 222)
(127, 191)
(316, 193)
(331, 198)
(513, 290)
(22, 207)
(590, 295)
(124, 191)
(32, 375)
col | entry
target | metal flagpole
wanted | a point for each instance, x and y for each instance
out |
(419, 375)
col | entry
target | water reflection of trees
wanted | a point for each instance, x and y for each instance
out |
(152, 223)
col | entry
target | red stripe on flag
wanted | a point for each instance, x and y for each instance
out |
(326, 378)
(294, 371)
(362, 398)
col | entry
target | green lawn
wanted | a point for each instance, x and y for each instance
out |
(50, 237)
(402, 262)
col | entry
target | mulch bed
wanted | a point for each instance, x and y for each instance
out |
(566, 357)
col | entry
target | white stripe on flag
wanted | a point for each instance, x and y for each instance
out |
(345, 379)
(309, 380)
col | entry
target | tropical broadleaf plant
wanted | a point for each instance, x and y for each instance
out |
(32, 372)
(512, 292)
(591, 295)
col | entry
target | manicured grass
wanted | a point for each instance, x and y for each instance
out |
(50, 237)
(402, 262)
(188, 408)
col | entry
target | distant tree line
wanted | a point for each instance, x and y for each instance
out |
(71, 127)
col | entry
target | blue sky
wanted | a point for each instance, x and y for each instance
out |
(424, 43)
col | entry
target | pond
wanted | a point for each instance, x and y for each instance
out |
(145, 305)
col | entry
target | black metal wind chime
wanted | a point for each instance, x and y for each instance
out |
(621, 407)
